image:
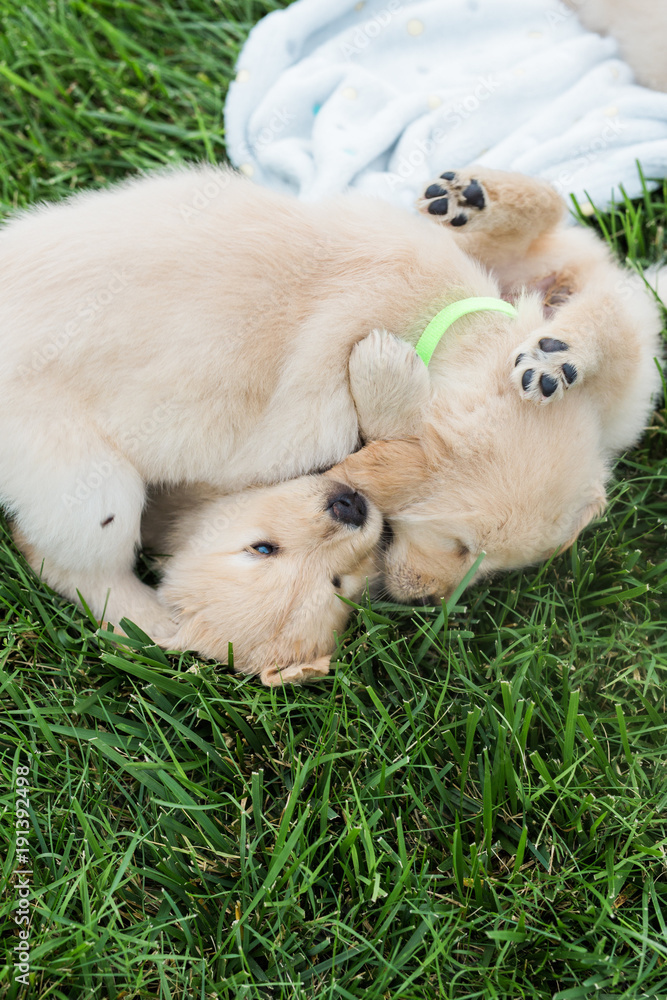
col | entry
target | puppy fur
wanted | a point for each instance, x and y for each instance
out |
(639, 26)
(191, 327)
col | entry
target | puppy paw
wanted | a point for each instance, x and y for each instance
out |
(382, 360)
(390, 386)
(143, 609)
(544, 372)
(157, 627)
(455, 198)
(296, 673)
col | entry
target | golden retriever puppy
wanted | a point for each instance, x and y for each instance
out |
(192, 327)
(511, 452)
(264, 569)
(640, 28)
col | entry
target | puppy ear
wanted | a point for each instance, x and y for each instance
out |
(390, 473)
(191, 636)
(295, 673)
(594, 508)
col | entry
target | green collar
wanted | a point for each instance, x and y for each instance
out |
(442, 321)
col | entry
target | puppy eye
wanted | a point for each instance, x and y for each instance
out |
(462, 550)
(336, 582)
(264, 548)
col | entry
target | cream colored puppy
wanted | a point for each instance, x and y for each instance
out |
(192, 327)
(264, 569)
(512, 451)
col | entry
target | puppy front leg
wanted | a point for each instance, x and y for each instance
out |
(390, 387)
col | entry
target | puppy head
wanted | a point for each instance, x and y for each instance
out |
(264, 570)
(514, 481)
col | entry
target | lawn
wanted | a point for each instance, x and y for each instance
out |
(473, 804)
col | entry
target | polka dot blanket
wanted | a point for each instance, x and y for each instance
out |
(382, 95)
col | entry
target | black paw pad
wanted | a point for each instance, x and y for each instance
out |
(519, 359)
(570, 373)
(474, 195)
(548, 385)
(527, 378)
(434, 191)
(448, 175)
(459, 220)
(549, 345)
(439, 207)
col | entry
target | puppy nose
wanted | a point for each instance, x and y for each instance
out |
(349, 508)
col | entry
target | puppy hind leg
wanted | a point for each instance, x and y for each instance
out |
(78, 523)
(604, 338)
(495, 215)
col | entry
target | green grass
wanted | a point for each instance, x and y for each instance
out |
(472, 805)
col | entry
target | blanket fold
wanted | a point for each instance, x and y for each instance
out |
(381, 95)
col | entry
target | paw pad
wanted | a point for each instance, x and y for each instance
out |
(540, 374)
(474, 195)
(548, 385)
(549, 345)
(439, 207)
(454, 198)
(570, 373)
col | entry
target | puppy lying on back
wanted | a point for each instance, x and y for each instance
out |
(147, 341)
(265, 569)
(514, 442)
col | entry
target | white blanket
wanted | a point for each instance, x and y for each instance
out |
(382, 95)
